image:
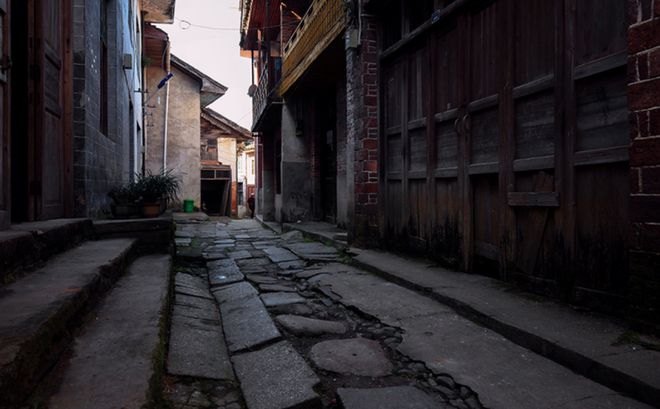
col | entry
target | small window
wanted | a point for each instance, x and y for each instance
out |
(252, 165)
(239, 193)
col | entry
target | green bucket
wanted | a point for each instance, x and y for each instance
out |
(188, 206)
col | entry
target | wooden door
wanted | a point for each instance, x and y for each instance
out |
(48, 186)
(5, 150)
(481, 129)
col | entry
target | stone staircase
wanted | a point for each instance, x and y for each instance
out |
(79, 313)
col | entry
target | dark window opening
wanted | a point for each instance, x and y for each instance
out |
(239, 193)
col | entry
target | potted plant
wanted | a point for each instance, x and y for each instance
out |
(125, 201)
(155, 191)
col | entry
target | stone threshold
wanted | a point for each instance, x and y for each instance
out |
(592, 345)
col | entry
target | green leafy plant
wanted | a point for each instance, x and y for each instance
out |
(127, 194)
(155, 188)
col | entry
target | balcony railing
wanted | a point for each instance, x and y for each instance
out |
(270, 75)
(321, 24)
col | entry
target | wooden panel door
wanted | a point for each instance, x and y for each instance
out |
(481, 134)
(50, 110)
(534, 115)
(596, 150)
(4, 116)
(446, 199)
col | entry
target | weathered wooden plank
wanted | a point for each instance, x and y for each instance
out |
(602, 156)
(604, 64)
(416, 124)
(484, 168)
(533, 87)
(537, 163)
(533, 199)
(445, 173)
(447, 115)
(483, 103)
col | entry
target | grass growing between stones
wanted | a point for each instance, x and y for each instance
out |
(634, 338)
(156, 393)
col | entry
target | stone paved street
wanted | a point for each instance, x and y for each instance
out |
(263, 321)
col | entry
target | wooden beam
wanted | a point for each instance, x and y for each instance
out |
(533, 199)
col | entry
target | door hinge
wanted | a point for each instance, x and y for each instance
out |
(35, 188)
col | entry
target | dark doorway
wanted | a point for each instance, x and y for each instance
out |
(328, 142)
(216, 197)
(20, 114)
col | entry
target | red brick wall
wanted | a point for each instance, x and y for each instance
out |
(362, 101)
(644, 101)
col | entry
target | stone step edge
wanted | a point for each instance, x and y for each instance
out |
(573, 360)
(43, 348)
(34, 243)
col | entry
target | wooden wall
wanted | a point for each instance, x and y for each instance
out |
(505, 142)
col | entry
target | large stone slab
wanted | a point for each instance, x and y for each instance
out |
(225, 266)
(252, 262)
(276, 377)
(247, 323)
(277, 299)
(357, 356)
(303, 326)
(278, 254)
(194, 302)
(274, 288)
(239, 255)
(193, 292)
(396, 397)
(218, 278)
(235, 292)
(198, 350)
(291, 265)
(314, 251)
(261, 279)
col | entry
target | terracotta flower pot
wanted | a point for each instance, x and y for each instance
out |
(151, 209)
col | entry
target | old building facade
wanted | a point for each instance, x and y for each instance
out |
(71, 104)
(174, 114)
(220, 141)
(494, 136)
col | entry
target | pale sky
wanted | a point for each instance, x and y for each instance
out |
(215, 52)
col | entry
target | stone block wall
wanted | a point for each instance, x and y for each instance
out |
(644, 102)
(101, 159)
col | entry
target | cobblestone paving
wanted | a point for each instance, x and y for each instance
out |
(282, 269)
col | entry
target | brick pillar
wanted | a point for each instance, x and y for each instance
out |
(362, 133)
(644, 101)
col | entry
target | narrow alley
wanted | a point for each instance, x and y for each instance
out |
(302, 328)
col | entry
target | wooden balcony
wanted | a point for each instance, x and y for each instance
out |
(320, 26)
(265, 94)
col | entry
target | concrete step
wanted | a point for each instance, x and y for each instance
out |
(597, 347)
(39, 311)
(26, 245)
(115, 357)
